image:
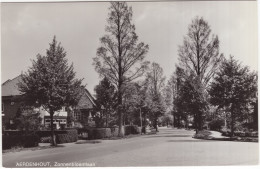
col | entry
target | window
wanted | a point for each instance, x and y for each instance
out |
(77, 115)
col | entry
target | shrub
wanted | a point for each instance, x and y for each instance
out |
(216, 124)
(45, 139)
(30, 140)
(114, 131)
(63, 138)
(96, 133)
(102, 133)
(134, 129)
(204, 134)
(72, 136)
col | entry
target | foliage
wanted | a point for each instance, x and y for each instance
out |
(199, 59)
(166, 119)
(105, 98)
(120, 57)
(233, 89)
(216, 124)
(198, 54)
(203, 134)
(132, 129)
(51, 82)
(27, 119)
(70, 136)
(29, 140)
(154, 98)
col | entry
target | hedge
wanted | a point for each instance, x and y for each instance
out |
(241, 133)
(133, 129)
(63, 136)
(114, 131)
(10, 141)
(99, 133)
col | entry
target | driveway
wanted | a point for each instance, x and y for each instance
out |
(170, 147)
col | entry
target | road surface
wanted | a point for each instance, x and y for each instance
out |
(170, 147)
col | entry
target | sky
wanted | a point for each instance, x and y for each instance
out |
(28, 28)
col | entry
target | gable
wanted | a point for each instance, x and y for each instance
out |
(10, 87)
(86, 101)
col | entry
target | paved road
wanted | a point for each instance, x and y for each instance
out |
(170, 147)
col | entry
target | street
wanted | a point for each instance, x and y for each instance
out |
(169, 147)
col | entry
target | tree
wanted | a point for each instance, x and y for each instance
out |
(27, 119)
(51, 82)
(233, 89)
(198, 54)
(155, 82)
(176, 83)
(120, 57)
(105, 96)
(199, 57)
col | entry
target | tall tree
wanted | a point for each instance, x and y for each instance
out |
(199, 54)
(233, 89)
(51, 82)
(105, 96)
(155, 79)
(199, 57)
(120, 57)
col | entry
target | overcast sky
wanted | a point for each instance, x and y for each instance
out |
(28, 28)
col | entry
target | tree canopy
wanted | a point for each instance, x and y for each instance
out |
(51, 82)
(233, 88)
(105, 97)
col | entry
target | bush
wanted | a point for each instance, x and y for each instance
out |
(45, 136)
(10, 141)
(102, 133)
(47, 133)
(132, 130)
(216, 124)
(45, 139)
(114, 131)
(204, 134)
(97, 133)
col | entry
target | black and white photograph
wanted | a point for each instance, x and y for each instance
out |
(129, 83)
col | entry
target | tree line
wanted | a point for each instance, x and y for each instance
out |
(133, 90)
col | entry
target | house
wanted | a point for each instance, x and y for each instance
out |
(13, 99)
(85, 109)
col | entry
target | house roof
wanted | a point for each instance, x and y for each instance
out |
(86, 100)
(10, 87)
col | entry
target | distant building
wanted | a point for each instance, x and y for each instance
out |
(13, 99)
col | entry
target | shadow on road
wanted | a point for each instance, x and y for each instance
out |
(168, 136)
(191, 141)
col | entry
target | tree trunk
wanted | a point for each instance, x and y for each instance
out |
(199, 120)
(53, 137)
(106, 118)
(156, 124)
(232, 123)
(120, 120)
